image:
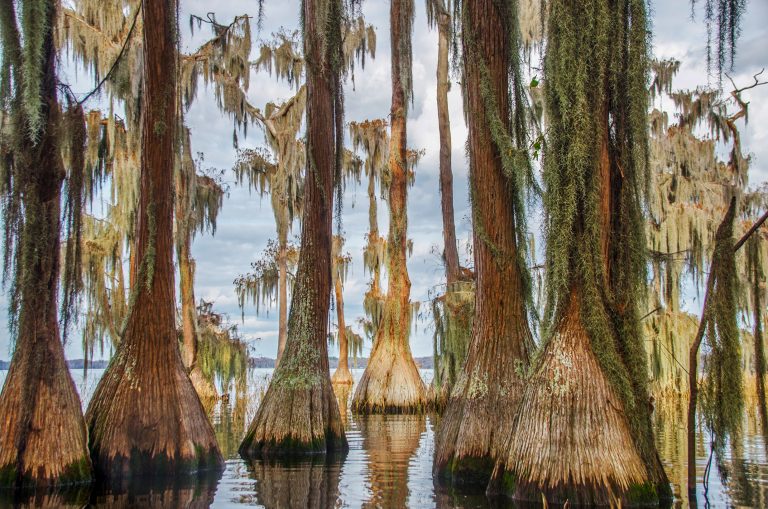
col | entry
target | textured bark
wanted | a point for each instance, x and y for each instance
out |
(282, 283)
(391, 381)
(490, 385)
(451, 251)
(571, 440)
(299, 412)
(42, 432)
(342, 375)
(145, 417)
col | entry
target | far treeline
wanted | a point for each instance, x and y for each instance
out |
(566, 357)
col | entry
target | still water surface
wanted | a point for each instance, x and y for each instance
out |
(389, 464)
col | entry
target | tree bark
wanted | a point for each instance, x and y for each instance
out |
(391, 381)
(490, 385)
(342, 375)
(282, 263)
(43, 438)
(451, 252)
(145, 417)
(299, 413)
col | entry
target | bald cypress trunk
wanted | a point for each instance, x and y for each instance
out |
(145, 417)
(489, 387)
(42, 432)
(299, 412)
(282, 288)
(391, 381)
(342, 375)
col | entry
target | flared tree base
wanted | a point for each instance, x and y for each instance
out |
(145, 418)
(391, 384)
(571, 439)
(298, 415)
(43, 442)
(342, 376)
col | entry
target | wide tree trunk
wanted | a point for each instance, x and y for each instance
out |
(342, 375)
(43, 439)
(282, 283)
(391, 381)
(451, 251)
(489, 388)
(145, 417)
(299, 412)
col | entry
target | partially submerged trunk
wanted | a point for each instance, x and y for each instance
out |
(299, 413)
(145, 417)
(488, 389)
(342, 375)
(391, 381)
(43, 439)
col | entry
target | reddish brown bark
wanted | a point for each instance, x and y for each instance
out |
(489, 388)
(282, 283)
(145, 417)
(299, 412)
(391, 381)
(42, 432)
(451, 252)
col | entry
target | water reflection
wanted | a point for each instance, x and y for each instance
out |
(389, 464)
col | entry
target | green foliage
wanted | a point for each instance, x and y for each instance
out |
(453, 314)
(722, 399)
(596, 74)
(35, 20)
(723, 17)
(222, 355)
(260, 286)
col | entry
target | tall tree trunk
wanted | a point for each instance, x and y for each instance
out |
(451, 252)
(189, 325)
(282, 263)
(391, 381)
(299, 412)
(145, 416)
(490, 385)
(342, 375)
(43, 439)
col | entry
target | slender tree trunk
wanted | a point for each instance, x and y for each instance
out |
(489, 388)
(391, 381)
(451, 252)
(299, 412)
(342, 375)
(282, 262)
(145, 417)
(42, 432)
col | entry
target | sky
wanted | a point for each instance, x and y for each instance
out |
(246, 221)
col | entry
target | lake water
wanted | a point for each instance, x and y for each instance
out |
(389, 464)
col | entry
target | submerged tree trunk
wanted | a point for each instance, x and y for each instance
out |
(299, 412)
(145, 417)
(342, 375)
(489, 387)
(391, 381)
(43, 439)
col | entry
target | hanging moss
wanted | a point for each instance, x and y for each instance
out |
(723, 20)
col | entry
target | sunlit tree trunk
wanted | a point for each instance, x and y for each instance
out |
(145, 416)
(282, 283)
(299, 412)
(489, 387)
(342, 375)
(391, 381)
(43, 439)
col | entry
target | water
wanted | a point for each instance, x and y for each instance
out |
(389, 464)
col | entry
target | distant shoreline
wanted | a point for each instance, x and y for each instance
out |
(254, 362)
